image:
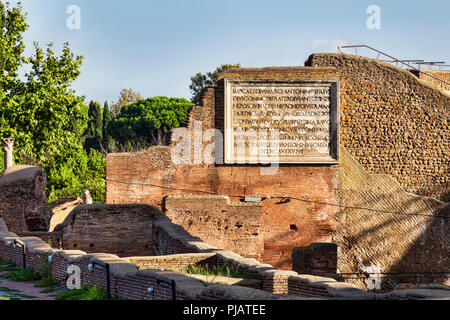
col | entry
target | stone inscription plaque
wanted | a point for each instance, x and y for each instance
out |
(281, 121)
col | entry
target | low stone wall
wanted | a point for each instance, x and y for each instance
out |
(127, 282)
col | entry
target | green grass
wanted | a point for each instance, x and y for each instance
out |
(22, 275)
(46, 282)
(218, 271)
(85, 293)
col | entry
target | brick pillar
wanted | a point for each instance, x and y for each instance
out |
(318, 259)
(8, 144)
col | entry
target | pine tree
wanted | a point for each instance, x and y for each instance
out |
(108, 141)
(94, 131)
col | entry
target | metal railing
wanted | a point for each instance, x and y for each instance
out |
(440, 64)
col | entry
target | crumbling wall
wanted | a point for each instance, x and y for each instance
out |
(236, 226)
(117, 229)
(127, 282)
(131, 177)
(393, 123)
(61, 208)
(23, 203)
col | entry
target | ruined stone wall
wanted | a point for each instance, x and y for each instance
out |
(61, 209)
(236, 226)
(393, 123)
(405, 235)
(127, 282)
(130, 175)
(23, 203)
(119, 229)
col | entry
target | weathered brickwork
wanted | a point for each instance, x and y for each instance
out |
(175, 261)
(61, 209)
(122, 229)
(217, 221)
(318, 259)
(408, 236)
(286, 225)
(23, 203)
(127, 282)
(390, 121)
(393, 123)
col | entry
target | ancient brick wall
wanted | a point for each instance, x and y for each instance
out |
(175, 261)
(130, 177)
(236, 226)
(405, 239)
(127, 282)
(318, 259)
(61, 209)
(118, 229)
(390, 121)
(23, 203)
(393, 123)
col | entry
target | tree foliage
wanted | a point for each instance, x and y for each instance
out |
(201, 81)
(41, 111)
(127, 96)
(108, 142)
(146, 122)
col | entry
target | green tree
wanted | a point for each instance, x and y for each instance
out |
(41, 111)
(12, 26)
(108, 141)
(95, 124)
(94, 132)
(147, 122)
(127, 96)
(200, 81)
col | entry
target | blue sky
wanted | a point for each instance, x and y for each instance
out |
(155, 46)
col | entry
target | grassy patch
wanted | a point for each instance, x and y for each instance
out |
(45, 270)
(52, 288)
(85, 293)
(9, 290)
(22, 275)
(46, 282)
(218, 271)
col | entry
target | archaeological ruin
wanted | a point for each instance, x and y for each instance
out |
(329, 180)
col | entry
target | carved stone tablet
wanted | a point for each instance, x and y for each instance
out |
(281, 121)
